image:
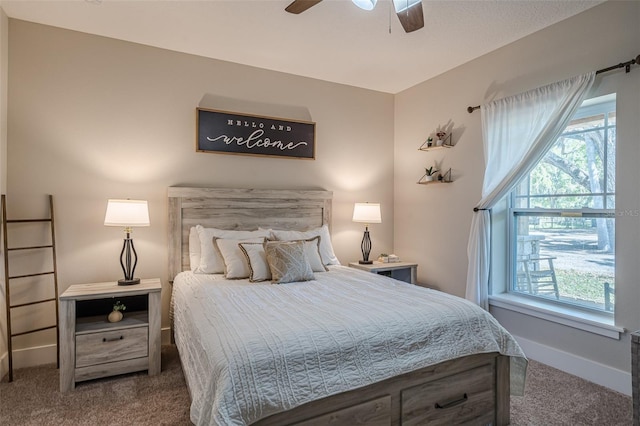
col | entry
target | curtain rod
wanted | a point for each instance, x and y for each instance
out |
(625, 65)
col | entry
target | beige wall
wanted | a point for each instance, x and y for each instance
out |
(4, 68)
(92, 118)
(432, 222)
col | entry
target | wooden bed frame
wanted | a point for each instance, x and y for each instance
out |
(470, 390)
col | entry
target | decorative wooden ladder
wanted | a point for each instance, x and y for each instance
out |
(8, 278)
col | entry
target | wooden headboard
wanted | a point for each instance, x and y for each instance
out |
(241, 209)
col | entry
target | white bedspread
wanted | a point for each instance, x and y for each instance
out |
(250, 350)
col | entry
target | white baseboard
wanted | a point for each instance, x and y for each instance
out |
(165, 335)
(37, 355)
(4, 364)
(587, 369)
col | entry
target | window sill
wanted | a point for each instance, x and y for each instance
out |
(601, 324)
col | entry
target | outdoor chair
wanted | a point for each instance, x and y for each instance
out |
(536, 275)
(609, 290)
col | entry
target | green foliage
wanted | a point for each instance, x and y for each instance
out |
(119, 306)
(583, 286)
(430, 171)
(548, 178)
(574, 166)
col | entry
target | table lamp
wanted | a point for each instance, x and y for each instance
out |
(366, 213)
(127, 213)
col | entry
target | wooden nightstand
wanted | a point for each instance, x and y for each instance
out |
(403, 271)
(91, 347)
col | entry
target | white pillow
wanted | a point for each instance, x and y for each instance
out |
(236, 265)
(326, 249)
(211, 261)
(257, 258)
(312, 250)
(194, 249)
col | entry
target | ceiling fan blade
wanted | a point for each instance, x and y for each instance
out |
(412, 17)
(299, 6)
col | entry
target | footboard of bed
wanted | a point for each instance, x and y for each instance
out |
(471, 390)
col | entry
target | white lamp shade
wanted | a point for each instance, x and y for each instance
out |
(367, 213)
(365, 4)
(127, 213)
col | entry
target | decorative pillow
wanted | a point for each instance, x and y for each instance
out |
(259, 268)
(288, 262)
(236, 265)
(211, 261)
(257, 258)
(312, 250)
(194, 249)
(326, 249)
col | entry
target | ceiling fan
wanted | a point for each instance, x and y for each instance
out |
(409, 12)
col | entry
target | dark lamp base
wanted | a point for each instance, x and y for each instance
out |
(365, 262)
(129, 282)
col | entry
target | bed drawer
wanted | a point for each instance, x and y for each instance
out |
(464, 398)
(376, 412)
(111, 346)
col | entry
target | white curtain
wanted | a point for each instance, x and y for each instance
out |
(517, 131)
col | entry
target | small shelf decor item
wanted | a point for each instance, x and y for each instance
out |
(116, 315)
(428, 178)
(366, 213)
(430, 174)
(127, 213)
(443, 141)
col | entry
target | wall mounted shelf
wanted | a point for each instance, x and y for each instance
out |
(432, 182)
(442, 178)
(446, 143)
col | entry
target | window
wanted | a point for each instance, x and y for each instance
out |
(562, 218)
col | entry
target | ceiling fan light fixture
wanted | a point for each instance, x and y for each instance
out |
(365, 4)
(402, 5)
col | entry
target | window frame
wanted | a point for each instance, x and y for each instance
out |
(513, 213)
(591, 107)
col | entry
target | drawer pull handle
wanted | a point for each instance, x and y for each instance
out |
(452, 403)
(104, 339)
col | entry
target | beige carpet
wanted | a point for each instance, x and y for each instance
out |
(34, 398)
(552, 398)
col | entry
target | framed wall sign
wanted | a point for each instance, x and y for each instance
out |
(226, 132)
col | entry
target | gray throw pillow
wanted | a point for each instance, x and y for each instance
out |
(288, 262)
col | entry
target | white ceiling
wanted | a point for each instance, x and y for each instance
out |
(334, 40)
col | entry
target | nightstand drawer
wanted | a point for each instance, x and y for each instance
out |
(111, 346)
